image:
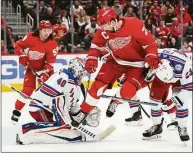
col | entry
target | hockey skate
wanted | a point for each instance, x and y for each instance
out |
(135, 120)
(172, 126)
(111, 109)
(15, 116)
(154, 132)
(18, 141)
(184, 137)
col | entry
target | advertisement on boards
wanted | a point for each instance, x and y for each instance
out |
(13, 72)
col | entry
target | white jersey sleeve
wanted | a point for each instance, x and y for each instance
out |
(185, 93)
(186, 81)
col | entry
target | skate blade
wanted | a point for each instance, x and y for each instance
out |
(14, 123)
(186, 143)
(135, 123)
(18, 142)
(152, 137)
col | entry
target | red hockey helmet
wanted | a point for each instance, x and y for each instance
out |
(45, 24)
(61, 27)
(105, 15)
(55, 27)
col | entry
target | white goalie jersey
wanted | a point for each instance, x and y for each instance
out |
(62, 84)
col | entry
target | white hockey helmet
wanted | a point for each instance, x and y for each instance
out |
(165, 71)
(76, 65)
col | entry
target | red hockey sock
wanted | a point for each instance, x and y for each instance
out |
(19, 105)
(128, 90)
(86, 108)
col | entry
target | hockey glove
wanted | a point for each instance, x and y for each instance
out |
(44, 76)
(152, 61)
(91, 64)
(121, 80)
(149, 74)
(172, 104)
(23, 60)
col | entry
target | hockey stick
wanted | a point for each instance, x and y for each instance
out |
(80, 128)
(145, 112)
(129, 100)
(34, 72)
(144, 108)
(26, 96)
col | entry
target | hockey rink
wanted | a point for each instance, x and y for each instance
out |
(124, 139)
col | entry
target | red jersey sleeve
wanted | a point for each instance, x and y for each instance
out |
(143, 37)
(51, 53)
(23, 44)
(98, 43)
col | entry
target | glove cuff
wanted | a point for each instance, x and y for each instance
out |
(92, 58)
(150, 54)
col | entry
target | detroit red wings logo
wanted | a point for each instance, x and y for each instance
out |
(118, 43)
(35, 55)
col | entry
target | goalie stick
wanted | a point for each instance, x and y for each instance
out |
(129, 100)
(101, 136)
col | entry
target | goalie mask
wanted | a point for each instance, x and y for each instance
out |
(76, 66)
(165, 71)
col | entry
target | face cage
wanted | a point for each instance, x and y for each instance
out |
(78, 73)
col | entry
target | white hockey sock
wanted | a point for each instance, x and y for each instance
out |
(182, 117)
(156, 112)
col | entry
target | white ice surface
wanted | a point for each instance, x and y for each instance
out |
(124, 139)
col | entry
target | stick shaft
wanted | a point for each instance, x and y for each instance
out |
(129, 100)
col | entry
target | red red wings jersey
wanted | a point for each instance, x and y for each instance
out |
(128, 46)
(40, 53)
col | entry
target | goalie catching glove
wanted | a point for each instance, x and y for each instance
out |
(93, 118)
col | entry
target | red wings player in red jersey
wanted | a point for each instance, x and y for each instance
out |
(129, 46)
(37, 52)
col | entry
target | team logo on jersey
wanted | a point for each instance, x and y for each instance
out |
(35, 55)
(178, 67)
(118, 43)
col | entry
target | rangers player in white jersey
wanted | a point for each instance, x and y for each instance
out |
(174, 69)
(53, 104)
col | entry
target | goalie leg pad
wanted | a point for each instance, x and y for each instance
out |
(61, 134)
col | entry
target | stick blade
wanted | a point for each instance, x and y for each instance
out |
(106, 132)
